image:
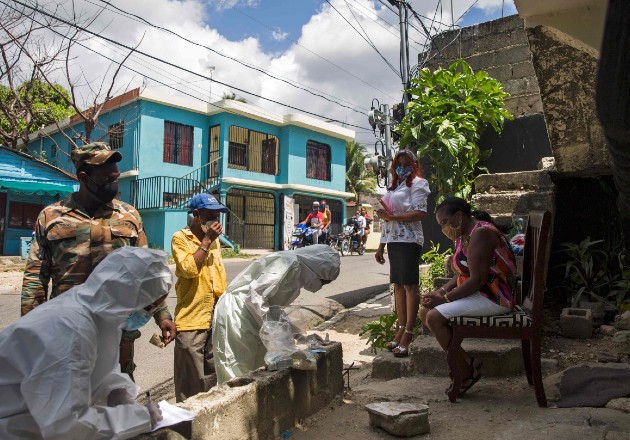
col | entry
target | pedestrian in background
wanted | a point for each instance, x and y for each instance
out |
(74, 235)
(406, 200)
(201, 279)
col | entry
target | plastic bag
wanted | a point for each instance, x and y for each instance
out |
(277, 337)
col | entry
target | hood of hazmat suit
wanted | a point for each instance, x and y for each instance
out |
(60, 361)
(273, 280)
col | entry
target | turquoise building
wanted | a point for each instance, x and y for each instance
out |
(265, 167)
(26, 186)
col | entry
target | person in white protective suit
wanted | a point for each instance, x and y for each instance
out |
(60, 377)
(273, 280)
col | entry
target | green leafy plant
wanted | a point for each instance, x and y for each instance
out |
(585, 270)
(449, 110)
(380, 332)
(437, 268)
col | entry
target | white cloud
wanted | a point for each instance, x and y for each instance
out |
(279, 35)
(328, 55)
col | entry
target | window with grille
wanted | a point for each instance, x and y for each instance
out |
(178, 143)
(253, 151)
(116, 132)
(317, 160)
(23, 215)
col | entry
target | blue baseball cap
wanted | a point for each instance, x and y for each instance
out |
(206, 201)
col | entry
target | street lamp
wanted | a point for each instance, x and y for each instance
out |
(211, 70)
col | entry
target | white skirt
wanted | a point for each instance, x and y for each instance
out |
(472, 305)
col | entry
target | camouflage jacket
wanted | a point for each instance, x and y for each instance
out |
(68, 245)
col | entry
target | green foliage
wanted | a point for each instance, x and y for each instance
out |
(597, 274)
(234, 253)
(45, 105)
(449, 111)
(358, 178)
(437, 269)
(380, 332)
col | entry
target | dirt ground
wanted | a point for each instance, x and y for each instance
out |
(495, 408)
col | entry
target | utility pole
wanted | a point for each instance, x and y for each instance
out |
(379, 115)
(404, 49)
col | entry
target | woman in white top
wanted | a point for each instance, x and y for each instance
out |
(406, 206)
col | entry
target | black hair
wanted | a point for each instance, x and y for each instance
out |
(453, 205)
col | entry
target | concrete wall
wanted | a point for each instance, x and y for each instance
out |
(551, 78)
(262, 405)
(566, 72)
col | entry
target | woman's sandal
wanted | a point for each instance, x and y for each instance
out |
(403, 351)
(391, 345)
(475, 366)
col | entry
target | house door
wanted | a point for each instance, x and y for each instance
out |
(251, 220)
(3, 209)
(214, 151)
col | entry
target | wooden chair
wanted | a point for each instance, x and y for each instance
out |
(525, 323)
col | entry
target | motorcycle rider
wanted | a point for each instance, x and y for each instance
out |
(316, 219)
(359, 225)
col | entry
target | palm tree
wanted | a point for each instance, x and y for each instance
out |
(359, 180)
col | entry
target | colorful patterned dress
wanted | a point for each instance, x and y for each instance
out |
(502, 276)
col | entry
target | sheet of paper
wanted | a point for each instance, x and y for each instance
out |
(172, 415)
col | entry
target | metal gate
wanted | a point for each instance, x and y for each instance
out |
(251, 220)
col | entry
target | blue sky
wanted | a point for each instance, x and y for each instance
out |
(282, 56)
(260, 19)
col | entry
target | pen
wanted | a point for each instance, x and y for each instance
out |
(148, 394)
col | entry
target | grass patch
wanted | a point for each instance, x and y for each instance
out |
(232, 253)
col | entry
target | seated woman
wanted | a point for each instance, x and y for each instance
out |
(484, 282)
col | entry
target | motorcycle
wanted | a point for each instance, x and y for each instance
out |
(302, 236)
(351, 241)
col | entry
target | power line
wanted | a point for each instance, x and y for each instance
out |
(367, 40)
(157, 59)
(307, 49)
(297, 85)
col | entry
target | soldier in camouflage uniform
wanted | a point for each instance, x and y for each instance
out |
(72, 236)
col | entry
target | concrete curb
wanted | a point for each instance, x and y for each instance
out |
(342, 314)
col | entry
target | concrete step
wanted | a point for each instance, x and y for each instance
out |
(520, 181)
(515, 202)
(500, 358)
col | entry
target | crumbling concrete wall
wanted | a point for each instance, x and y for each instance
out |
(261, 405)
(501, 48)
(566, 71)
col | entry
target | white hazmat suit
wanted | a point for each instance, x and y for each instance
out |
(273, 280)
(60, 361)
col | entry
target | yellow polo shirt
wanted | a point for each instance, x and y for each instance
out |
(196, 289)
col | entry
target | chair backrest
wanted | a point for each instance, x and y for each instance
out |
(535, 264)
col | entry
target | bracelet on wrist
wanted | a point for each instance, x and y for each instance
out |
(204, 249)
(443, 290)
(446, 298)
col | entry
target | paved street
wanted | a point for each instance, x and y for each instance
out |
(361, 278)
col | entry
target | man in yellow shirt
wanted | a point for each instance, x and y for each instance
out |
(201, 280)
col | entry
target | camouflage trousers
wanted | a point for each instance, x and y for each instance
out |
(126, 352)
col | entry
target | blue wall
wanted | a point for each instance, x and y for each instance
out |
(161, 225)
(14, 166)
(151, 157)
(130, 114)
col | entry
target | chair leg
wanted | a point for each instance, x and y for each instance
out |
(453, 365)
(527, 359)
(537, 372)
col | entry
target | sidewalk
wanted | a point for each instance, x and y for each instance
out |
(495, 408)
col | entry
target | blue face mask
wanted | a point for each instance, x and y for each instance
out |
(404, 172)
(137, 320)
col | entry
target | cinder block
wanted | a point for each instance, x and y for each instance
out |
(401, 419)
(576, 323)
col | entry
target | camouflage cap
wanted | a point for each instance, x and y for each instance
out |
(96, 153)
